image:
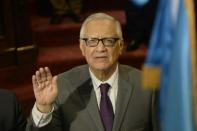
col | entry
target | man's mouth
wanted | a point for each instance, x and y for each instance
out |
(101, 57)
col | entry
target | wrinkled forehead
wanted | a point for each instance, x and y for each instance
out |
(100, 27)
(101, 21)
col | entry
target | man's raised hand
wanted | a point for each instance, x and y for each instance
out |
(45, 89)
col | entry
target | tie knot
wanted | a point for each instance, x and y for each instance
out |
(104, 88)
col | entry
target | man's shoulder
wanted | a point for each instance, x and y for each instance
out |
(77, 74)
(129, 69)
(4, 93)
(75, 71)
(70, 80)
(8, 100)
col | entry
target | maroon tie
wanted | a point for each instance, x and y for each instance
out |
(106, 109)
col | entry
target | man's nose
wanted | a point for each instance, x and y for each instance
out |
(100, 44)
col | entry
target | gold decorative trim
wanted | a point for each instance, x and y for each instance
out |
(8, 50)
(29, 47)
(151, 77)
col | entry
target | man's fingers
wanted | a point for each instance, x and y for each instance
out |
(38, 77)
(54, 80)
(42, 79)
(34, 81)
(43, 74)
(48, 74)
(54, 83)
(36, 85)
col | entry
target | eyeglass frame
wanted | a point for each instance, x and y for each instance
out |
(102, 40)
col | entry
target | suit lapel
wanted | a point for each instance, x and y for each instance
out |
(94, 112)
(89, 98)
(123, 97)
(125, 91)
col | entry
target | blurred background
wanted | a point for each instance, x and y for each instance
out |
(33, 35)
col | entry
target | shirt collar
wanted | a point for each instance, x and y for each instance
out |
(110, 81)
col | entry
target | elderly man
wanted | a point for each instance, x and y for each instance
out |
(100, 96)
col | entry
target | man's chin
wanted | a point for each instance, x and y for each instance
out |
(103, 68)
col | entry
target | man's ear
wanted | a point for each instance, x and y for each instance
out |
(82, 48)
(121, 44)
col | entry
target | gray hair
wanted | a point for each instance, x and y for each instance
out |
(97, 16)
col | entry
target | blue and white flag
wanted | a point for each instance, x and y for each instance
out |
(169, 56)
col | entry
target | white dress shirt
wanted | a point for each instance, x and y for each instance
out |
(41, 119)
(112, 93)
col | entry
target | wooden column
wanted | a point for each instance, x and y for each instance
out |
(16, 44)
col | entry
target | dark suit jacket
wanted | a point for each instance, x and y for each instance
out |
(76, 108)
(11, 116)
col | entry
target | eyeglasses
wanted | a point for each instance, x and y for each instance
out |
(93, 42)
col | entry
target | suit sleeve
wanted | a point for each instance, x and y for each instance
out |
(20, 120)
(54, 125)
(11, 115)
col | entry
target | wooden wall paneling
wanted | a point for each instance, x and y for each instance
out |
(16, 44)
(7, 40)
(26, 48)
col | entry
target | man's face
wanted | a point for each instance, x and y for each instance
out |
(101, 57)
